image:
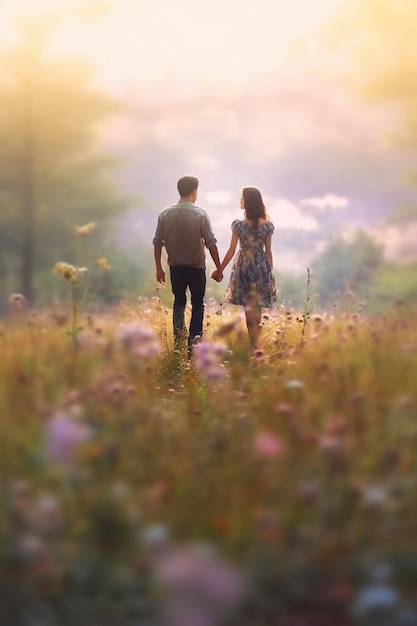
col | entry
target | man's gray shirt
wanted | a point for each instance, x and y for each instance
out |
(184, 229)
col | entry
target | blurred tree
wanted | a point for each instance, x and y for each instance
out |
(344, 266)
(392, 284)
(291, 290)
(53, 171)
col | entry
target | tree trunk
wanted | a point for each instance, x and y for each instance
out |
(27, 192)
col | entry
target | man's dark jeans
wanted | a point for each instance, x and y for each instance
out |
(195, 279)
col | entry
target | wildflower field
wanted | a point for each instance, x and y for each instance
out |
(141, 488)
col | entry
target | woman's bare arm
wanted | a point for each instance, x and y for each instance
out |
(231, 251)
(268, 250)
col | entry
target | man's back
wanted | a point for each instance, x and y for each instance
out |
(184, 229)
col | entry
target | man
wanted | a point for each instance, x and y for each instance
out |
(184, 229)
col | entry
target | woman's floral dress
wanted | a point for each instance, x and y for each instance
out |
(252, 278)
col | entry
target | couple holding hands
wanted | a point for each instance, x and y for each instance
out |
(184, 229)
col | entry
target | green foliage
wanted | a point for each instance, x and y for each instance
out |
(291, 289)
(345, 266)
(393, 284)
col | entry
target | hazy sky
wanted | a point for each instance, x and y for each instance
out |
(186, 43)
(238, 93)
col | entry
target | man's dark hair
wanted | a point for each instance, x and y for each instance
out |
(186, 185)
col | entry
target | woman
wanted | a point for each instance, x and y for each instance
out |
(252, 282)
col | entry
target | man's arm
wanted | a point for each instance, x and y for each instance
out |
(160, 273)
(215, 256)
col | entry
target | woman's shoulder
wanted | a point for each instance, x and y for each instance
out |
(268, 226)
(237, 224)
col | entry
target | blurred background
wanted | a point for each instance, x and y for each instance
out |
(104, 104)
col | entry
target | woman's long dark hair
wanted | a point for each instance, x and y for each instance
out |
(254, 205)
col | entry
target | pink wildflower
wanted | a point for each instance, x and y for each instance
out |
(139, 341)
(268, 445)
(198, 587)
(64, 435)
(283, 408)
(207, 357)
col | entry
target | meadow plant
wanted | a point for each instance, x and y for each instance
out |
(17, 301)
(207, 357)
(78, 278)
(139, 341)
(308, 307)
(140, 487)
(64, 434)
(197, 586)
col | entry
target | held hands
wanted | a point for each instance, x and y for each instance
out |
(217, 275)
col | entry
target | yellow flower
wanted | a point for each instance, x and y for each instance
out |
(103, 263)
(83, 231)
(68, 271)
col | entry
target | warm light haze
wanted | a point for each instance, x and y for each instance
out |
(190, 44)
(240, 93)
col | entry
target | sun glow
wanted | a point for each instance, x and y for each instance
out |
(189, 43)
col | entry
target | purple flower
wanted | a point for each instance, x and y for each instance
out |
(207, 357)
(198, 587)
(64, 435)
(139, 341)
